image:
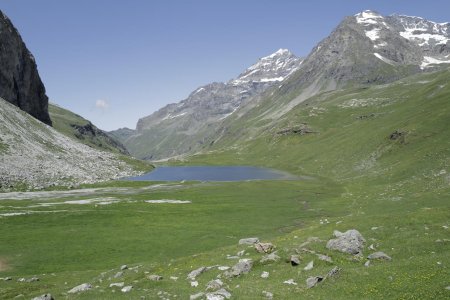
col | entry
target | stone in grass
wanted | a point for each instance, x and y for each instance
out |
(7, 279)
(242, 267)
(33, 279)
(126, 289)
(379, 255)
(264, 247)
(214, 285)
(267, 295)
(117, 284)
(313, 281)
(351, 242)
(123, 267)
(196, 296)
(333, 272)
(80, 288)
(290, 281)
(155, 277)
(367, 264)
(265, 275)
(324, 258)
(309, 266)
(295, 260)
(269, 258)
(219, 294)
(44, 297)
(193, 274)
(118, 274)
(249, 241)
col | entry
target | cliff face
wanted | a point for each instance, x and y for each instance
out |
(20, 83)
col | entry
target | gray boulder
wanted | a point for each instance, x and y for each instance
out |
(155, 277)
(264, 247)
(351, 242)
(242, 267)
(126, 289)
(248, 241)
(379, 255)
(269, 258)
(214, 285)
(313, 281)
(80, 288)
(196, 296)
(218, 295)
(193, 274)
(44, 297)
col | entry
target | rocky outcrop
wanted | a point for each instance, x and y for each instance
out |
(20, 83)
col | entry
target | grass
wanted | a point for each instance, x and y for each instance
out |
(394, 191)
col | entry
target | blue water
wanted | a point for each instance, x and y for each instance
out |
(211, 173)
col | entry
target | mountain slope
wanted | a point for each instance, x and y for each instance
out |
(20, 83)
(182, 127)
(76, 127)
(34, 155)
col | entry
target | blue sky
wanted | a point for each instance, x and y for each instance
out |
(114, 61)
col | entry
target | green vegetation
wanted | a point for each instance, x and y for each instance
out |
(379, 162)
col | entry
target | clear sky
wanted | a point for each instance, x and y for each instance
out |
(114, 61)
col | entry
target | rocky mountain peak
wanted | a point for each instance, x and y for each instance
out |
(20, 83)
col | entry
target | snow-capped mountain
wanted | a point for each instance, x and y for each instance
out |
(206, 106)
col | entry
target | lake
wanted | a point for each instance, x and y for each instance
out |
(213, 173)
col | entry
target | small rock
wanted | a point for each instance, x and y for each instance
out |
(241, 253)
(196, 296)
(290, 281)
(351, 242)
(333, 272)
(313, 281)
(80, 288)
(264, 247)
(155, 277)
(447, 287)
(242, 267)
(126, 289)
(21, 280)
(219, 294)
(44, 297)
(117, 284)
(265, 274)
(214, 284)
(123, 267)
(196, 272)
(7, 279)
(272, 257)
(367, 263)
(324, 258)
(173, 278)
(118, 274)
(309, 266)
(248, 241)
(379, 255)
(268, 295)
(194, 283)
(295, 260)
(32, 279)
(223, 268)
(371, 247)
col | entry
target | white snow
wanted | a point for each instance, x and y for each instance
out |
(169, 116)
(373, 34)
(427, 60)
(384, 59)
(229, 114)
(423, 38)
(271, 79)
(199, 90)
(367, 17)
(423, 31)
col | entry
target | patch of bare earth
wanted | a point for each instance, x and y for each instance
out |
(4, 266)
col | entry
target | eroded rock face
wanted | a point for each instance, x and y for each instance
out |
(20, 83)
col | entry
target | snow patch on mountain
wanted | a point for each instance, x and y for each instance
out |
(427, 61)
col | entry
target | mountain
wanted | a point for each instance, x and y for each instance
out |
(35, 155)
(182, 127)
(20, 83)
(76, 127)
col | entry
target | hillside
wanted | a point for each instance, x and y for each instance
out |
(76, 127)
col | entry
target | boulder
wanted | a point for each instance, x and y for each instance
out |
(242, 267)
(333, 272)
(44, 297)
(309, 266)
(126, 289)
(249, 241)
(267, 295)
(295, 260)
(196, 272)
(117, 284)
(269, 258)
(214, 285)
(218, 295)
(379, 255)
(265, 275)
(80, 288)
(155, 277)
(123, 267)
(351, 242)
(196, 296)
(264, 247)
(324, 258)
(313, 281)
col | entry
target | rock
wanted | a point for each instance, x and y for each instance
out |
(126, 289)
(295, 260)
(267, 295)
(264, 247)
(196, 296)
(197, 272)
(379, 255)
(33, 279)
(333, 272)
(7, 279)
(155, 277)
(174, 278)
(290, 281)
(44, 297)
(117, 284)
(265, 275)
(242, 267)
(367, 264)
(118, 274)
(447, 287)
(123, 267)
(20, 83)
(350, 242)
(223, 268)
(309, 266)
(313, 281)
(241, 253)
(80, 288)
(269, 258)
(248, 241)
(324, 258)
(194, 283)
(214, 285)
(220, 294)
(310, 240)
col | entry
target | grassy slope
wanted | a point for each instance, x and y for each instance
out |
(363, 179)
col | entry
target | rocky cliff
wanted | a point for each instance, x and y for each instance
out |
(20, 83)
